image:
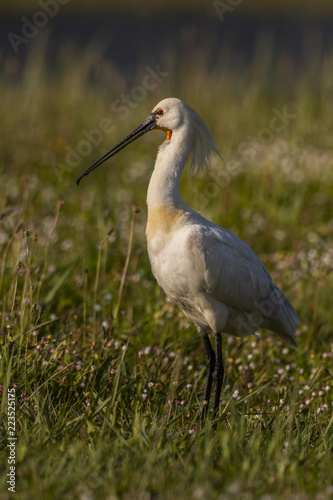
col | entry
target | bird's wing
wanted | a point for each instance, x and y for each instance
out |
(232, 273)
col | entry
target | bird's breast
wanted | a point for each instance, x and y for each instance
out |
(168, 250)
(162, 221)
(163, 239)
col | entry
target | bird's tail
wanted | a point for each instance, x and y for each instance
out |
(283, 321)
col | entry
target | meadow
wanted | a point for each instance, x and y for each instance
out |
(108, 375)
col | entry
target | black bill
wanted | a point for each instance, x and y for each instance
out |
(148, 124)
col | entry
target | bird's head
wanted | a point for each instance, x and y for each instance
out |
(170, 115)
(179, 121)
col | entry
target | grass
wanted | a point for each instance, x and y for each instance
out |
(108, 374)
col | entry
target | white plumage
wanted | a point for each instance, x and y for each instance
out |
(214, 277)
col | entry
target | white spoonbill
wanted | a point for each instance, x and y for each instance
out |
(214, 277)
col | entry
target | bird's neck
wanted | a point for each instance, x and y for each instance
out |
(163, 187)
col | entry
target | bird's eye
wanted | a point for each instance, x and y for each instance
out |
(160, 112)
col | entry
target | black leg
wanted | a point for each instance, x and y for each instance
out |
(210, 363)
(218, 373)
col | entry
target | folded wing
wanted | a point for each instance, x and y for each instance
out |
(235, 276)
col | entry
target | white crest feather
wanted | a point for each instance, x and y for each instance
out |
(203, 145)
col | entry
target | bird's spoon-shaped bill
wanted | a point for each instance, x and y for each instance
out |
(148, 124)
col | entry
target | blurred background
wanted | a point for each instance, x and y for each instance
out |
(76, 77)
